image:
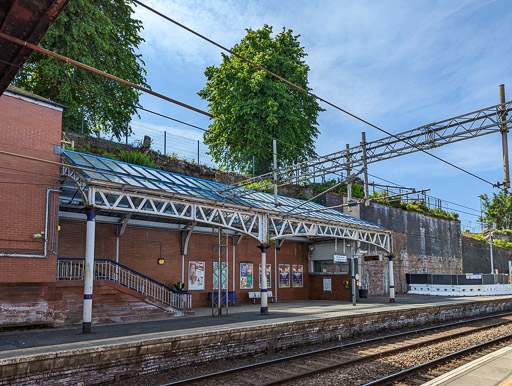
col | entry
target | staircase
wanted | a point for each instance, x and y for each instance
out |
(72, 268)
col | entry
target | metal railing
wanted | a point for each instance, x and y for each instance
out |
(72, 268)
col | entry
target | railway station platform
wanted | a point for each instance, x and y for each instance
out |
(494, 369)
(65, 355)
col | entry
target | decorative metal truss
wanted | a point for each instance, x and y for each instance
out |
(259, 224)
(471, 125)
(285, 228)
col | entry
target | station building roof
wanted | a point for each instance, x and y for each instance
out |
(100, 169)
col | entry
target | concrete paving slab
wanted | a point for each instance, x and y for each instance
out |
(491, 370)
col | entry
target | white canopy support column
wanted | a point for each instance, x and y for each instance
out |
(391, 280)
(264, 293)
(263, 237)
(89, 269)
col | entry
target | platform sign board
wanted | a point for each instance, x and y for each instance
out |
(297, 276)
(246, 275)
(269, 277)
(224, 275)
(474, 276)
(284, 275)
(196, 275)
(340, 259)
(327, 284)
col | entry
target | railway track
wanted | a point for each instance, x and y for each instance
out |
(427, 371)
(309, 365)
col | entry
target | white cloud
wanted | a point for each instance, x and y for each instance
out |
(399, 64)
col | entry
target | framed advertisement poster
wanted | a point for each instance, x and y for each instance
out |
(297, 276)
(246, 275)
(196, 275)
(224, 275)
(327, 284)
(268, 272)
(284, 275)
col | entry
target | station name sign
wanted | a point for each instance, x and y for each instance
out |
(340, 259)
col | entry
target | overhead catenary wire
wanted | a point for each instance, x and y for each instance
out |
(309, 92)
(442, 199)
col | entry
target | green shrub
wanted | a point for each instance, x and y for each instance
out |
(357, 190)
(415, 206)
(137, 158)
(257, 185)
(106, 154)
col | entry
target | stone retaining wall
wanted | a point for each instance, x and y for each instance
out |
(117, 358)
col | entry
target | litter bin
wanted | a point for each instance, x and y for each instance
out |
(363, 293)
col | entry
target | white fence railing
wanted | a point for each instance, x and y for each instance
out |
(104, 269)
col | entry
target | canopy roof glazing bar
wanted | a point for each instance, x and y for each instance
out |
(115, 186)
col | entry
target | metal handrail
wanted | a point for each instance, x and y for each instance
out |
(105, 269)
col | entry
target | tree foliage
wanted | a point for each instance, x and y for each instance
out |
(251, 106)
(101, 34)
(497, 212)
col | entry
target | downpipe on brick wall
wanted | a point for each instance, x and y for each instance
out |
(45, 250)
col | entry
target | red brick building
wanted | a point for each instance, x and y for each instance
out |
(134, 232)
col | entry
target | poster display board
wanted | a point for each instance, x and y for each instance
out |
(196, 275)
(246, 275)
(268, 272)
(297, 276)
(284, 275)
(327, 284)
(224, 275)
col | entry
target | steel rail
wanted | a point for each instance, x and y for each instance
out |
(379, 355)
(427, 365)
(240, 369)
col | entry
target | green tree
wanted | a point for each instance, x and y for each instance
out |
(101, 34)
(497, 212)
(251, 106)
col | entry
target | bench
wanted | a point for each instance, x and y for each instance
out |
(214, 297)
(257, 295)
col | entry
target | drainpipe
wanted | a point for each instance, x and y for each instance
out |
(45, 250)
(117, 258)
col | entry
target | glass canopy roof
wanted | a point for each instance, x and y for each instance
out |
(144, 177)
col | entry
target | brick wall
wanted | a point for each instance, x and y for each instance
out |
(338, 289)
(139, 249)
(117, 361)
(30, 128)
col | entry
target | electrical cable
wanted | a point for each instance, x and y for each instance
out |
(268, 151)
(309, 92)
(22, 183)
(437, 198)
(102, 73)
(120, 80)
(37, 174)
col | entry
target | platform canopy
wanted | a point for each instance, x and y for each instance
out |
(118, 187)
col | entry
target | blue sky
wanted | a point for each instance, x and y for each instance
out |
(397, 64)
